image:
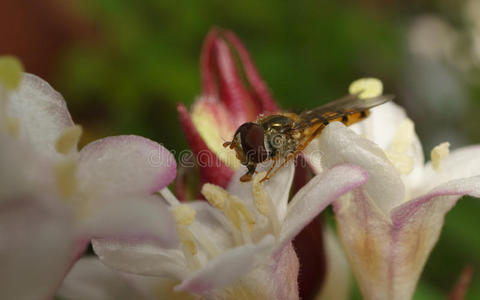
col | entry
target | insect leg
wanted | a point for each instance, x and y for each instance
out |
(295, 153)
(275, 159)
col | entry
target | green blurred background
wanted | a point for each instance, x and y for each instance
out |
(123, 65)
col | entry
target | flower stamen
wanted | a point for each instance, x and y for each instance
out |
(233, 208)
(184, 217)
(68, 139)
(438, 155)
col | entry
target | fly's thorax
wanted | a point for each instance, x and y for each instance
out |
(279, 137)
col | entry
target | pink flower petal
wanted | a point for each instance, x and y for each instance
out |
(285, 274)
(317, 194)
(221, 79)
(124, 166)
(42, 113)
(364, 231)
(215, 172)
(260, 89)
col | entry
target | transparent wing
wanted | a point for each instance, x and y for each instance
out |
(338, 109)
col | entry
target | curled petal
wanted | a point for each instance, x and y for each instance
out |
(215, 126)
(317, 194)
(416, 228)
(90, 279)
(460, 163)
(42, 114)
(338, 144)
(124, 166)
(381, 127)
(141, 257)
(226, 268)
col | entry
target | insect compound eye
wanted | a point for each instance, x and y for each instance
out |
(252, 141)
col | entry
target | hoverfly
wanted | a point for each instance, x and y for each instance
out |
(285, 135)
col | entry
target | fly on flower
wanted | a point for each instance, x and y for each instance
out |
(285, 135)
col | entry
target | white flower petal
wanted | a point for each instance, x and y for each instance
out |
(36, 249)
(460, 163)
(141, 257)
(341, 145)
(313, 156)
(90, 279)
(42, 113)
(382, 123)
(317, 194)
(22, 172)
(381, 127)
(147, 217)
(124, 166)
(226, 268)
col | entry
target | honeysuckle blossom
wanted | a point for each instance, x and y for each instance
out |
(389, 226)
(54, 198)
(231, 97)
(238, 245)
(225, 104)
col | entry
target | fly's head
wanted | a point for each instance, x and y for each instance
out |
(249, 145)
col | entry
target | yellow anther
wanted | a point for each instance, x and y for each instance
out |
(184, 214)
(188, 240)
(401, 161)
(13, 126)
(10, 72)
(215, 195)
(438, 154)
(66, 177)
(403, 136)
(68, 139)
(237, 206)
(366, 87)
(260, 199)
